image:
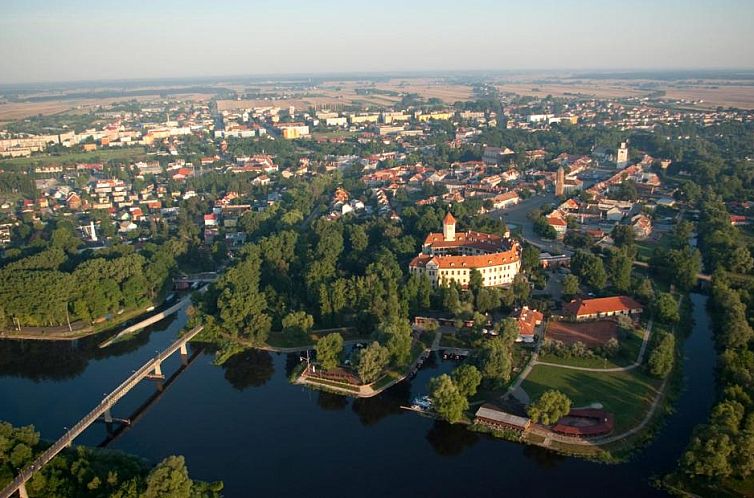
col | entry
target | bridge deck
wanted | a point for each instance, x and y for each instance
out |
(96, 413)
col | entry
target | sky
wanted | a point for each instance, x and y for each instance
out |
(74, 40)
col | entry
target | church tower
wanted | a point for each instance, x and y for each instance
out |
(621, 159)
(449, 227)
(560, 182)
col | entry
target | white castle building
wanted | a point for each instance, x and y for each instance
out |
(450, 256)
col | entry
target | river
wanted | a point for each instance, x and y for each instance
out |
(245, 424)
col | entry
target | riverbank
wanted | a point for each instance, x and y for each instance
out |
(638, 401)
(388, 380)
(80, 330)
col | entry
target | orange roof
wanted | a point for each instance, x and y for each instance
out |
(585, 307)
(528, 320)
(506, 196)
(486, 241)
(449, 219)
(556, 221)
(478, 261)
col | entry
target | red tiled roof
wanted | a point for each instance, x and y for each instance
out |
(528, 320)
(556, 221)
(486, 241)
(449, 219)
(585, 307)
(478, 261)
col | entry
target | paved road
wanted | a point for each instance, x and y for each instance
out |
(518, 216)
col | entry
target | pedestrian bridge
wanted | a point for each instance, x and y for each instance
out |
(151, 369)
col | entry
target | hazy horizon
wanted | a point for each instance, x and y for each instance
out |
(51, 42)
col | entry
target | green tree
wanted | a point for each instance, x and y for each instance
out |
(529, 257)
(358, 238)
(372, 361)
(590, 269)
(643, 290)
(620, 265)
(666, 308)
(550, 407)
(298, 322)
(169, 479)
(328, 350)
(684, 265)
(623, 235)
(467, 379)
(661, 359)
(709, 454)
(396, 335)
(447, 400)
(570, 286)
(495, 361)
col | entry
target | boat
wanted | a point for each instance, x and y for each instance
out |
(421, 403)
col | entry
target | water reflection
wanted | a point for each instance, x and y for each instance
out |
(249, 368)
(331, 402)
(61, 360)
(450, 439)
(544, 458)
(38, 361)
(372, 410)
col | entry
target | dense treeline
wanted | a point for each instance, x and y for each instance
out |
(17, 182)
(296, 272)
(83, 471)
(58, 284)
(723, 449)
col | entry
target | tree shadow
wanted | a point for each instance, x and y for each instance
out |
(249, 368)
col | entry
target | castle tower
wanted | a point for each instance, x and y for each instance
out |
(621, 160)
(449, 227)
(560, 182)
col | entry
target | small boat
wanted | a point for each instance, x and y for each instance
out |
(422, 403)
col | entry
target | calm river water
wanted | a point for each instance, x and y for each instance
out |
(245, 424)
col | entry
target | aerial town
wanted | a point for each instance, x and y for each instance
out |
(295, 257)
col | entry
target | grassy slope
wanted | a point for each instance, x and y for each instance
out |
(626, 394)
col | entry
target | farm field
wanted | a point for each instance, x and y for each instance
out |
(129, 153)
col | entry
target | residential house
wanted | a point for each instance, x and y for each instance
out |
(527, 321)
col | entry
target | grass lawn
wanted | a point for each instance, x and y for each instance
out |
(627, 355)
(330, 383)
(122, 153)
(280, 339)
(385, 380)
(645, 248)
(458, 340)
(626, 394)
(332, 134)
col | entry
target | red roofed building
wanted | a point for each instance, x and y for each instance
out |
(73, 201)
(210, 220)
(448, 256)
(527, 321)
(738, 220)
(505, 200)
(558, 223)
(585, 422)
(602, 307)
